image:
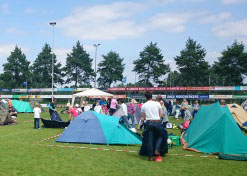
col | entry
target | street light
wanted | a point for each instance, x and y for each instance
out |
(96, 47)
(52, 67)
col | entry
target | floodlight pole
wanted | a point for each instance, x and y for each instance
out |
(95, 68)
(52, 67)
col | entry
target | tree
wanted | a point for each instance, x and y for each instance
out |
(192, 65)
(232, 65)
(78, 67)
(16, 70)
(150, 67)
(42, 69)
(174, 79)
(110, 69)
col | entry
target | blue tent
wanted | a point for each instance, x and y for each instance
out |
(94, 128)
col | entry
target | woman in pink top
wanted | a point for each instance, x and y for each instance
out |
(72, 111)
(113, 106)
(131, 111)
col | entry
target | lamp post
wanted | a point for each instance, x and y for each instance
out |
(52, 58)
(96, 47)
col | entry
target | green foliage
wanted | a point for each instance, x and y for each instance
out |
(192, 65)
(232, 64)
(150, 66)
(174, 79)
(78, 67)
(16, 70)
(110, 69)
(42, 69)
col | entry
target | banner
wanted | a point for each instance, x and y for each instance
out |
(119, 96)
(239, 96)
(220, 96)
(65, 89)
(187, 96)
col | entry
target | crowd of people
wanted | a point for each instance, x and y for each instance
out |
(107, 107)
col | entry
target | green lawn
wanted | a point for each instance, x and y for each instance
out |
(22, 153)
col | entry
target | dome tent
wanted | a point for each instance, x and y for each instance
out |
(94, 128)
(214, 130)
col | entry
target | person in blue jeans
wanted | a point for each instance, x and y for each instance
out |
(152, 113)
(37, 112)
(131, 111)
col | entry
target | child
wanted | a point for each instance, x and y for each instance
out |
(98, 108)
(187, 114)
(86, 107)
(72, 111)
(37, 112)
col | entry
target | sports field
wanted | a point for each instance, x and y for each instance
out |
(26, 151)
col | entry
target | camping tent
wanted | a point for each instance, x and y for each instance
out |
(94, 128)
(214, 130)
(55, 121)
(22, 106)
(238, 113)
(92, 93)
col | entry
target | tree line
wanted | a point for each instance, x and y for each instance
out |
(150, 68)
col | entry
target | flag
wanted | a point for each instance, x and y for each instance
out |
(24, 84)
(124, 80)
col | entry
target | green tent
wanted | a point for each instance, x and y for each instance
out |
(21, 106)
(214, 130)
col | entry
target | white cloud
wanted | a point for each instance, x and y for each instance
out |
(4, 8)
(231, 29)
(173, 1)
(212, 56)
(5, 51)
(103, 22)
(61, 54)
(15, 31)
(212, 19)
(233, 1)
(172, 22)
(172, 64)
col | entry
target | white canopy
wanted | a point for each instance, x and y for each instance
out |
(92, 93)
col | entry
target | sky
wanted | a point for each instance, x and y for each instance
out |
(125, 27)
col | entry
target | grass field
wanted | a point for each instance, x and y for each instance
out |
(23, 153)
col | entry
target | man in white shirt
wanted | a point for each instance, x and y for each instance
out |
(152, 112)
(124, 118)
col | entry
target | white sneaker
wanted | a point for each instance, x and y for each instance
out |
(133, 130)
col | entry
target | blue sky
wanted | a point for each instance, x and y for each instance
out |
(122, 26)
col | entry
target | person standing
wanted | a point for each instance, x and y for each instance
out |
(152, 112)
(113, 106)
(131, 111)
(98, 108)
(196, 107)
(124, 117)
(52, 107)
(182, 109)
(37, 112)
(187, 114)
(165, 114)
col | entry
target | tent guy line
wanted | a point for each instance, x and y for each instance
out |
(110, 149)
